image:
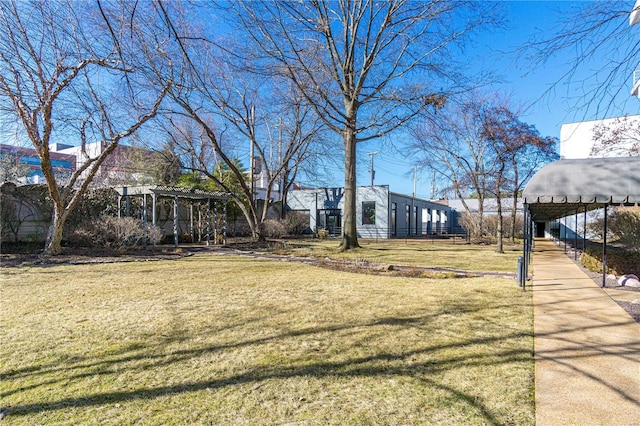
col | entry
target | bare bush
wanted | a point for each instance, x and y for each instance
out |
(274, 228)
(472, 224)
(117, 233)
(297, 223)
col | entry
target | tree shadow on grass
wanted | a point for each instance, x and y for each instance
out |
(387, 364)
(378, 365)
(383, 364)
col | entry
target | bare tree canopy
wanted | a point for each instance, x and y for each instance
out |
(367, 67)
(601, 53)
(619, 138)
(481, 149)
(74, 75)
(221, 110)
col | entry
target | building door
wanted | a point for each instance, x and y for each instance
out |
(540, 227)
(331, 220)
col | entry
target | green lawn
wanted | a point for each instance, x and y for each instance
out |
(215, 339)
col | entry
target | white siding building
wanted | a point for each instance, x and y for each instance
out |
(380, 213)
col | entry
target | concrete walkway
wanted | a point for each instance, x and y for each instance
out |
(587, 348)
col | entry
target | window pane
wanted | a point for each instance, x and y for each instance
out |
(368, 212)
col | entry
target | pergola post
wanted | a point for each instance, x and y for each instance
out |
(215, 222)
(191, 231)
(144, 220)
(200, 223)
(154, 200)
(175, 221)
(207, 218)
(224, 225)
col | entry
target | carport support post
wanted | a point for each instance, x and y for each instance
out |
(565, 234)
(584, 230)
(575, 239)
(604, 249)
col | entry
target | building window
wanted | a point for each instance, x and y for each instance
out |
(407, 218)
(415, 220)
(394, 221)
(368, 212)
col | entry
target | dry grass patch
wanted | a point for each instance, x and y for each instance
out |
(232, 340)
(422, 253)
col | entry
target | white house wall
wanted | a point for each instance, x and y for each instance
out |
(432, 217)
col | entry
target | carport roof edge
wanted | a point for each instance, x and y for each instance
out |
(565, 187)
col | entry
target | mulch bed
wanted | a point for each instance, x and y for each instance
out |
(75, 256)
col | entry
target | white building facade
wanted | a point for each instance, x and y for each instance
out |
(380, 213)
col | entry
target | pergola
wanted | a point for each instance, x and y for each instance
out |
(568, 187)
(176, 193)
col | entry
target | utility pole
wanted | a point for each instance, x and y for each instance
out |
(252, 160)
(433, 185)
(415, 178)
(371, 170)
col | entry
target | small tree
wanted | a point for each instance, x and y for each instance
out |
(70, 73)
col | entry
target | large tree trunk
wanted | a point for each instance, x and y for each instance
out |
(53, 244)
(350, 233)
(499, 231)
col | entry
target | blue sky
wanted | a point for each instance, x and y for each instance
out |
(530, 87)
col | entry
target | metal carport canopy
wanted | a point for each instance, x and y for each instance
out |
(565, 187)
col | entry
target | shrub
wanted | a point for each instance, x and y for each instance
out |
(274, 228)
(619, 262)
(625, 226)
(115, 232)
(471, 223)
(297, 223)
(322, 233)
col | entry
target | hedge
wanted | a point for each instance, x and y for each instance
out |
(619, 262)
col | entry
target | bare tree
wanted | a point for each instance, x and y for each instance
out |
(233, 111)
(509, 138)
(367, 67)
(453, 145)
(67, 75)
(483, 149)
(232, 108)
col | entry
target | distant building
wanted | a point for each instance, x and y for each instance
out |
(380, 213)
(63, 164)
(125, 165)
